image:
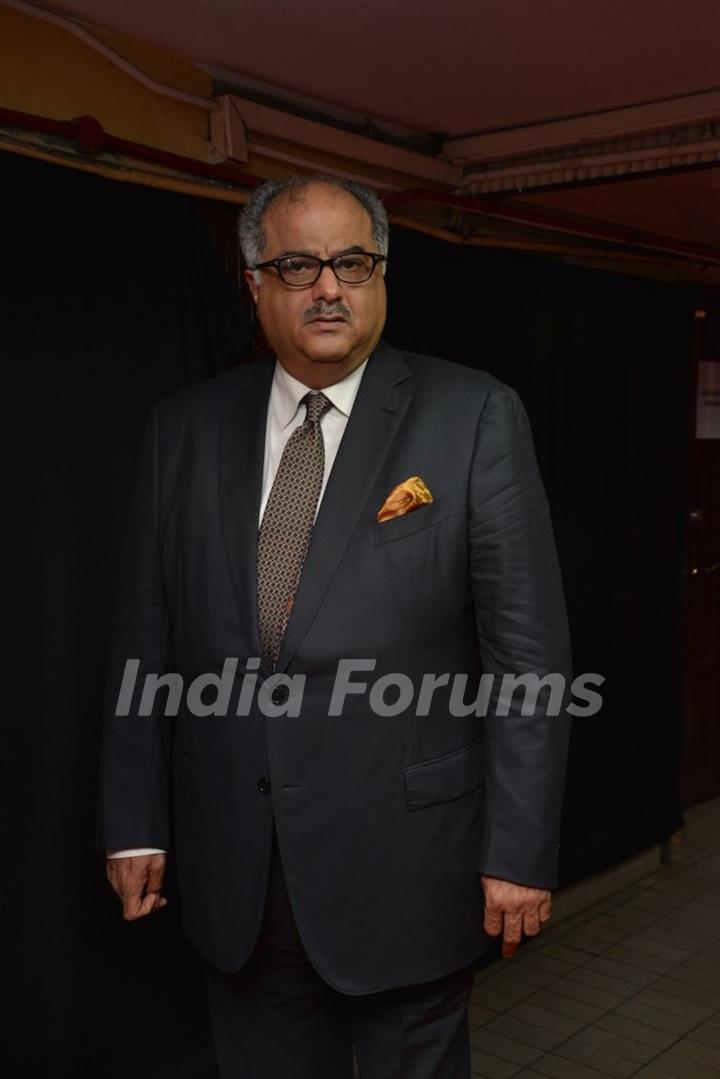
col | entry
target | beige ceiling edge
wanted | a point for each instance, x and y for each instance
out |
(55, 68)
(48, 72)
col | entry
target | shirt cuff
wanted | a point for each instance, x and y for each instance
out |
(134, 852)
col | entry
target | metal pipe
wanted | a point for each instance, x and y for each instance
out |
(554, 222)
(90, 137)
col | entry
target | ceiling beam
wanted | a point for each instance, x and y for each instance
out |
(261, 121)
(583, 131)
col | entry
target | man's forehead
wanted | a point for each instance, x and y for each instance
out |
(314, 207)
(314, 193)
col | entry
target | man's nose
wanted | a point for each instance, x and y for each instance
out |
(327, 287)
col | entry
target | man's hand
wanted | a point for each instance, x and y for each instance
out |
(514, 909)
(138, 883)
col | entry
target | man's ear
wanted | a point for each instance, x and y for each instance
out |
(249, 276)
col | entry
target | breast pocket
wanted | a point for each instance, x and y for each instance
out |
(416, 521)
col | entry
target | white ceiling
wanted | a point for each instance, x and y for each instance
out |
(441, 65)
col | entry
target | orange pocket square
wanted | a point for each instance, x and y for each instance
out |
(406, 497)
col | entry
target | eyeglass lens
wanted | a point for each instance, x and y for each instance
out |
(303, 269)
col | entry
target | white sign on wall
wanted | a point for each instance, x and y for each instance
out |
(707, 417)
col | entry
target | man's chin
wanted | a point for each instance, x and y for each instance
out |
(329, 349)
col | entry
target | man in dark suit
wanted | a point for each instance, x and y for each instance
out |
(337, 544)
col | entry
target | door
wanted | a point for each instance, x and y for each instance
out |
(700, 768)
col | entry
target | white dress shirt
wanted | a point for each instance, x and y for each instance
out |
(285, 413)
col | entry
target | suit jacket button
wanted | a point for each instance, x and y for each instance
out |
(263, 785)
(280, 694)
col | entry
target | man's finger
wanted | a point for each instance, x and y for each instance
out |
(493, 922)
(156, 872)
(132, 905)
(135, 907)
(512, 934)
(545, 909)
(531, 923)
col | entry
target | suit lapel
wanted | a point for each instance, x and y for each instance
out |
(380, 405)
(242, 448)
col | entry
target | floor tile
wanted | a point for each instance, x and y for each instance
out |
(709, 963)
(656, 998)
(593, 943)
(524, 1032)
(524, 971)
(588, 994)
(603, 932)
(650, 1073)
(624, 972)
(593, 1056)
(649, 959)
(668, 1021)
(632, 1027)
(491, 1067)
(547, 1020)
(664, 935)
(499, 1045)
(638, 1051)
(696, 975)
(707, 1034)
(552, 964)
(637, 943)
(670, 1063)
(561, 1068)
(622, 921)
(681, 990)
(478, 1015)
(599, 979)
(564, 1005)
(573, 956)
(701, 1054)
(492, 999)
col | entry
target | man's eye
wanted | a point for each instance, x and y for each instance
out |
(298, 265)
(349, 262)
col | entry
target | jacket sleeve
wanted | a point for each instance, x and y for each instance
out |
(133, 808)
(522, 630)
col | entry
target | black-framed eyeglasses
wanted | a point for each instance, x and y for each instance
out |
(299, 271)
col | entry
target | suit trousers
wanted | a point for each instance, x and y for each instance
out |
(277, 1018)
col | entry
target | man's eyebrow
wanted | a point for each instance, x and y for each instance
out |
(294, 254)
(352, 250)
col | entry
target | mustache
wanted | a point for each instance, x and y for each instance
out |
(319, 309)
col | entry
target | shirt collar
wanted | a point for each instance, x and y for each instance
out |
(288, 392)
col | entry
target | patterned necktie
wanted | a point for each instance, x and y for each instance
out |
(287, 524)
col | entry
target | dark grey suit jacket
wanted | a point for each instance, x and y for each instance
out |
(384, 823)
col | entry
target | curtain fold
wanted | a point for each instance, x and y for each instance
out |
(111, 298)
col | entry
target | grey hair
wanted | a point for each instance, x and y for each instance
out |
(252, 236)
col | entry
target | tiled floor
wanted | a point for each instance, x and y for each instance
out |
(628, 987)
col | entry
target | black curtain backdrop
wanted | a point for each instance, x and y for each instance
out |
(602, 363)
(112, 297)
